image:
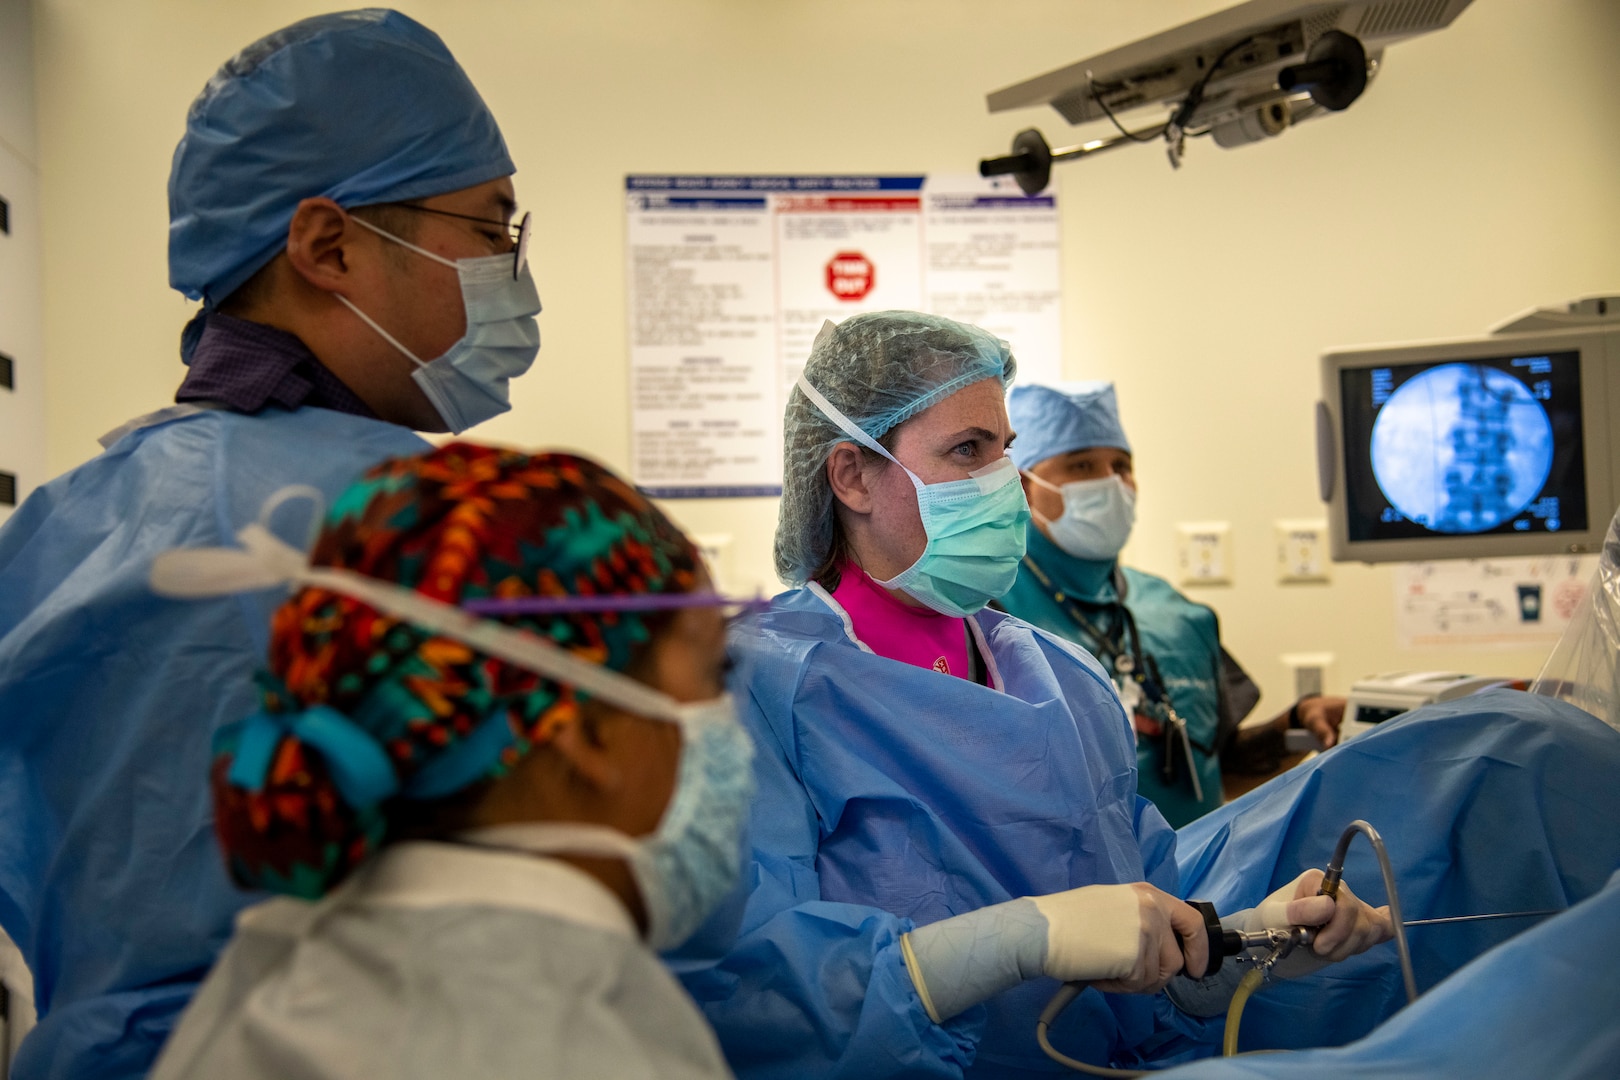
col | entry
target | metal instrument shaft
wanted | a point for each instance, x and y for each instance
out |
(1477, 918)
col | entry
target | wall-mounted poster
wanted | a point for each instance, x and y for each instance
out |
(731, 277)
(1501, 603)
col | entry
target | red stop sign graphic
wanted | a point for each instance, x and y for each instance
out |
(850, 275)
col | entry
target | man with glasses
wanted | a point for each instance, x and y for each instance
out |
(341, 203)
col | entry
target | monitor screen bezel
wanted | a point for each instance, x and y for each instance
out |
(1600, 393)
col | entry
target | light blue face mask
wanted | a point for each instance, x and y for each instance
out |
(468, 384)
(975, 527)
(690, 863)
(1097, 517)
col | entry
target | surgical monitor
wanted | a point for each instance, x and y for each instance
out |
(1496, 446)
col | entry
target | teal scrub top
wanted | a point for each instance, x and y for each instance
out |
(1183, 636)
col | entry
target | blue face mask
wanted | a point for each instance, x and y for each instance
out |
(1097, 517)
(976, 529)
(468, 384)
(690, 864)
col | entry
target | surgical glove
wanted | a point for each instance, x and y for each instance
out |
(1346, 926)
(1121, 938)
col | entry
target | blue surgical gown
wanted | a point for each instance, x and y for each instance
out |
(892, 796)
(110, 880)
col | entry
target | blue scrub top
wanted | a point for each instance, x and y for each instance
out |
(110, 880)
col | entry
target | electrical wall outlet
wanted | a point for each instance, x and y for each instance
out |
(1205, 551)
(1310, 671)
(1302, 551)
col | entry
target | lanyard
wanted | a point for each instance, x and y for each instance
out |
(976, 667)
(1135, 667)
(1144, 670)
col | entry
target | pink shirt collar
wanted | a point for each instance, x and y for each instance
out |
(918, 636)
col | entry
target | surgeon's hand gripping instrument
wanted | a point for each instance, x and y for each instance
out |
(1264, 948)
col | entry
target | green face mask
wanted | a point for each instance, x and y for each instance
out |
(976, 529)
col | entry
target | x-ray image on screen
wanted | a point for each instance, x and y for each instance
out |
(1456, 448)
(1461, 448)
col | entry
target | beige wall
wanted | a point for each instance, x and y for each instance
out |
(1477, 177)
(22, 408)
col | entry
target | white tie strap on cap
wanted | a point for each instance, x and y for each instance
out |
(264, 561)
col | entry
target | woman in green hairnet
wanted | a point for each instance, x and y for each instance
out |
(947, 815)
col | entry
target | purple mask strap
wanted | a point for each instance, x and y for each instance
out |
(553, 605)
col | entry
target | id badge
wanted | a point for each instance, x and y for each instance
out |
(1130, 693)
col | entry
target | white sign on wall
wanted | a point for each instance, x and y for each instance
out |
(731, 277)
(1505, 603)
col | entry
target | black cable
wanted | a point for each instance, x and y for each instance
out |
(1188, 106)
(1103, 105)
(1335, 873)
(1195, 96)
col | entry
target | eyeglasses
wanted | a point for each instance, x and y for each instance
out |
(519, 237)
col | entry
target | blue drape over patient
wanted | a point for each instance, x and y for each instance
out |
(110, 880)
(892, 796)
(1499, 802)
(1540, 1006)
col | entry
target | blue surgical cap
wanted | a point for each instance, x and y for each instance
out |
(358, 106)
(879, 369)
(1053, 420)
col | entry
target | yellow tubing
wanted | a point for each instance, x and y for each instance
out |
(1234, 1011)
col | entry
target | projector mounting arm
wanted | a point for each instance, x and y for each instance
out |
(1333, 75)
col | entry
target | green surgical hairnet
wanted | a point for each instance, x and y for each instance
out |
(880, 369)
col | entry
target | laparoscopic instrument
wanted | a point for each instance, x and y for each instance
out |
(1243, 943)
(1264, 948)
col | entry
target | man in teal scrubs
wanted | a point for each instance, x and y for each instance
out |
(1162, 649)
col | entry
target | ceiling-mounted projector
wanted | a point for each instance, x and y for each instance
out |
(1240, 75)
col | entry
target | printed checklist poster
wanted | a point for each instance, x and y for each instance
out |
(732, 277)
